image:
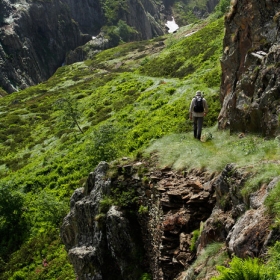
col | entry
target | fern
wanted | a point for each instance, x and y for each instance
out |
(247, 269)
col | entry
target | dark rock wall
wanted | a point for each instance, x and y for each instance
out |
(37, 36)
(178, 204)
(146, 17)
(34, 39)
(88, 14)
(250, 92)
(101, 244)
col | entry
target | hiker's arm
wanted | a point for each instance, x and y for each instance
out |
(191, 109)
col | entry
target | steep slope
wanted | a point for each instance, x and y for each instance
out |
(119, 108)
(36, 36)
(178, 215)
(126, 99)
(250, 66)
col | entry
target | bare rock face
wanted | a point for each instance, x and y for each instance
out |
(156, 241)
(248, 235)
(250, 68)
(34, 40)
(88, 14)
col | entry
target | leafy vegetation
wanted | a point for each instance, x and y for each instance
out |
(245, 269)
(119, 108)
(127, 101)
(272, 202)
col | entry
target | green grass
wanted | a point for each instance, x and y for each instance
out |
(138, 106)
(214, 254)
(182, 151)
(272, 202)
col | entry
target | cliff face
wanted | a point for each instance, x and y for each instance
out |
(104, 243)
(250, 68)
(87, 13)
(34, 39)
(147, 17)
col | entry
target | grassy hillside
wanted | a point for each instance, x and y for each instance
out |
(126, 101)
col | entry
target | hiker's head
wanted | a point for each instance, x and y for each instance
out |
(198, 93)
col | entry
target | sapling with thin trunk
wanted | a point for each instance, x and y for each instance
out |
(70, 113)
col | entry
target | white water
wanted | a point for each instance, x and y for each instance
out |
(172, 25)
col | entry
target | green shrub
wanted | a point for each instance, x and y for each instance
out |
(28, 261)
(11, 221)
(244, 270)
(146, 276)
(143, 209)
(272, 265)
(105, 204)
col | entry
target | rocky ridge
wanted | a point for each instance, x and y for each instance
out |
(175, 205)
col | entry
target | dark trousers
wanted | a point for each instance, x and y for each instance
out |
(197, 127)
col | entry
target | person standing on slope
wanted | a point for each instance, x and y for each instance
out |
(198, 109)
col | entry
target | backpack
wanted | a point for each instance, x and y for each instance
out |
(198, 104)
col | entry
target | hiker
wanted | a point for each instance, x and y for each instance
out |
(198, 109)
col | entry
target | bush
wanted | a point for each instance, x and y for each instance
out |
(248, 269)
(146, 276)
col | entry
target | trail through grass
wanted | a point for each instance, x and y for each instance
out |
(182, 151)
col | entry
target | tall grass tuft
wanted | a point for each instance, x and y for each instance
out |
(214, 254)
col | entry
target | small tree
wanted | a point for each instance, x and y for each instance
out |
(70, 111)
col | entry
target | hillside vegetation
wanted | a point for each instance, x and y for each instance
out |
(128, 101)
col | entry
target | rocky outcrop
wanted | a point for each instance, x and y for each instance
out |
(169, 207)
(176, 205)
(242, 222)
(147, 17)
(102, 243)
(88, 14)
(250, 68)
